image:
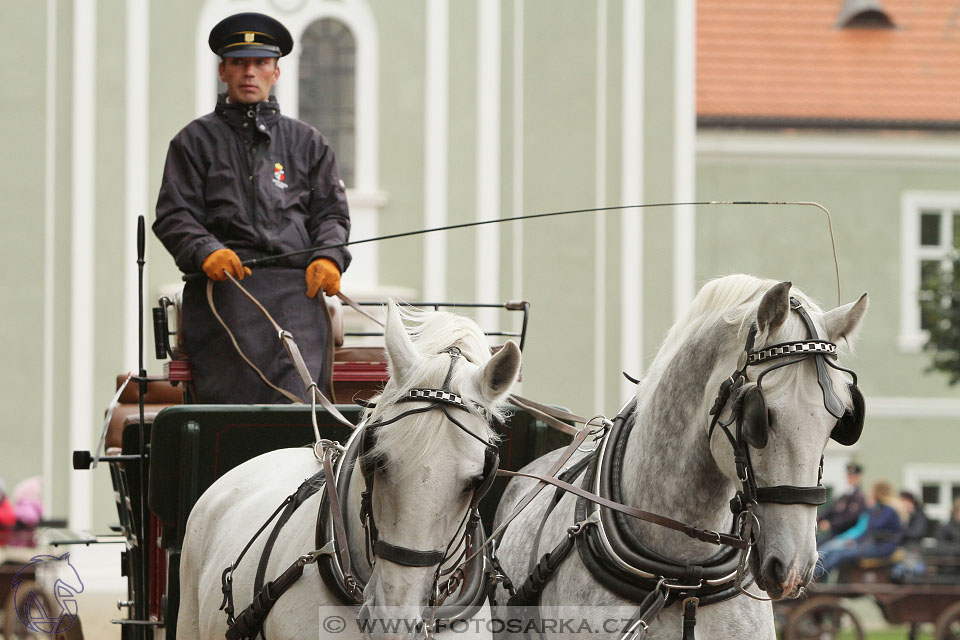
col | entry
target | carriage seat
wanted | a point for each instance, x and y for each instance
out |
(870, 570)
(160, 395)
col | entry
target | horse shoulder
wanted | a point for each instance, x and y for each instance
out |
(225, 518)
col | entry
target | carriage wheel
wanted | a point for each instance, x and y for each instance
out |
(948, 623)
(10, 625)
(823, 618)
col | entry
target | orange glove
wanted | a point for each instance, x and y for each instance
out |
(224, 260)
(323, 274)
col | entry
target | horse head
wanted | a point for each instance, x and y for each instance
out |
(791, 399)
(433, 455)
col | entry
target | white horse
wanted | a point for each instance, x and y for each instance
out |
(426, 472)
(674, 465)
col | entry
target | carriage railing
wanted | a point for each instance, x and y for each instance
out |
(521, 306)
(162, 333)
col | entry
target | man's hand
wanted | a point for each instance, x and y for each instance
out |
(222, 260)
(323, 274)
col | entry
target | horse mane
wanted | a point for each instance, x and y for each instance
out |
(432, 333)
(734, 300)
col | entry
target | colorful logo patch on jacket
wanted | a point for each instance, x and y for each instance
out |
(279, 178)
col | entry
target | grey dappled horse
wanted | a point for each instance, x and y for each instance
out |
(673, 466)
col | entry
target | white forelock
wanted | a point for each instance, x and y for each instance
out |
(416, 438)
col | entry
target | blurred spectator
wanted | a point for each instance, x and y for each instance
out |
(845, 510)
(7, 516)
(880, 538)
(28, 501)
(917, 522)
(950, 531)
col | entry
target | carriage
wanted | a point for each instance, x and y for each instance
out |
(189, 446)
(930, 594)
(164, 454)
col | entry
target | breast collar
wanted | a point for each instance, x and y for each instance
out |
(614, 553)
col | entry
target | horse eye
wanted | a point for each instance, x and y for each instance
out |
(769, 418)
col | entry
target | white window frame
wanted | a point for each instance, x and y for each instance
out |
(945, 475)
(365, 197)
(912, 337)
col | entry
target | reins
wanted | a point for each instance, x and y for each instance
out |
(290, 346)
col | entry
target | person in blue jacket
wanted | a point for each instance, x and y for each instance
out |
(880, 538)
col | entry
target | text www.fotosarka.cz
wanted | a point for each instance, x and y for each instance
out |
(503, 621)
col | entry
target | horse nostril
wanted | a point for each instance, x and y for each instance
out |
(775, 572)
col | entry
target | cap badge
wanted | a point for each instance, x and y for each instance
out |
(249, 36)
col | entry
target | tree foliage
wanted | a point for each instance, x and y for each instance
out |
(941, 313)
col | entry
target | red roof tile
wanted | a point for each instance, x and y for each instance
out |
(780, 59)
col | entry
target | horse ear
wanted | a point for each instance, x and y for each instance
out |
(500, 372)
(401, 354)
(844, 322)
(774, 307)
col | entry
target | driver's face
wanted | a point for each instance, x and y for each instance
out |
(249, 80)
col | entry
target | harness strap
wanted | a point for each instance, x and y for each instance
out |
(569, 475)
(788, 494)
(830, 399)
(551, 415)
(704, 535)
(250, 620)
(405, 556)
(535, 491)
(529, 592)
(341, 550)
(690, 618)
(649, 608)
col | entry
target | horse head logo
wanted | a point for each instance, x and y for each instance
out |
(31, 607)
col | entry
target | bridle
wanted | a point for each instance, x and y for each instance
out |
(752, 422)
(446, 581)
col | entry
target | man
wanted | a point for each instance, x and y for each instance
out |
(245, 182)
(845, 510)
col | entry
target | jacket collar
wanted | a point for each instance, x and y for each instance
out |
(260, 117)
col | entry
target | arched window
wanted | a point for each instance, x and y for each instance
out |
(328, 69)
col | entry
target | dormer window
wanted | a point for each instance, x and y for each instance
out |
(864, 14)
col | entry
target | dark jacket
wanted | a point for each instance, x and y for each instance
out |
(247, 178)
(884, 526)
(917, 526)
(949, 531)
(845, 511)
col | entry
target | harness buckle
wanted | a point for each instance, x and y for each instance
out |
(328, 549)
(593, 518)
(322, 446)
(598, 432)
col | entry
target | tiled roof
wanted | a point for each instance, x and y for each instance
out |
(783, 59)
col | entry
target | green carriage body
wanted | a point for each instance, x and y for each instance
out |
(190, 446)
